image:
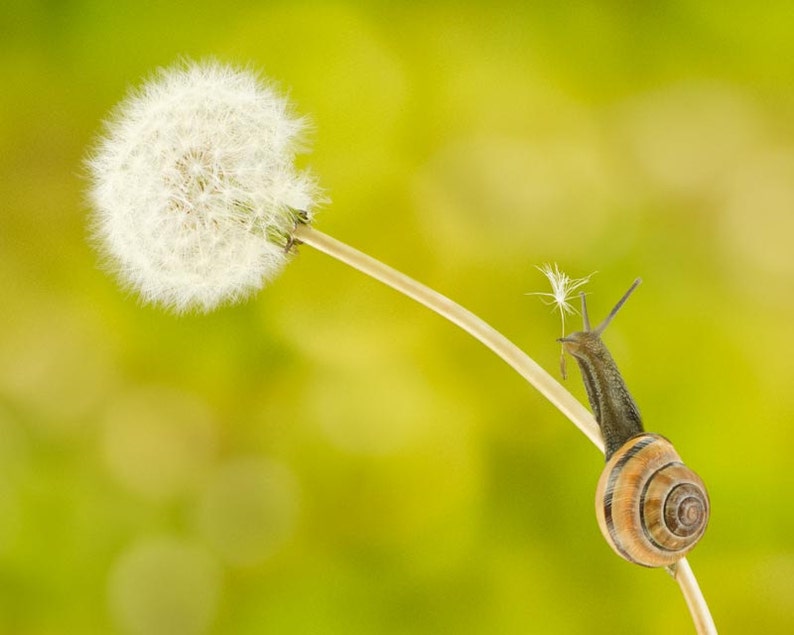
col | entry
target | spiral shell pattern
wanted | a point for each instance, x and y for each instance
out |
(651, 508)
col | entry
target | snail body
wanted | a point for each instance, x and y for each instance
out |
(650, 507)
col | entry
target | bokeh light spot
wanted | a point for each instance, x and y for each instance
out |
(164, 586)
(532, 190)
(758, 213)
(248, 510)
(686, 136)
(54, 364)
(157, 442)
(389, 411)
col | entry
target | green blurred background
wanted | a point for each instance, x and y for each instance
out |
(330, 457)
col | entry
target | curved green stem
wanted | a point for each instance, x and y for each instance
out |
(455, 313)
(696, 603)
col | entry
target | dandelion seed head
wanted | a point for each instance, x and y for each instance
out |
(193, 186)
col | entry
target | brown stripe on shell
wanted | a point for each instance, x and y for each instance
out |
(604, 502)
(651, 505)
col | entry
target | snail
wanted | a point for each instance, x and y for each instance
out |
(650, 507)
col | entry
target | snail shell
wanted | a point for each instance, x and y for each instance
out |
(651, 508)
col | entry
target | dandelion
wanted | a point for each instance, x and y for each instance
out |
(562, 290)
(194, 187)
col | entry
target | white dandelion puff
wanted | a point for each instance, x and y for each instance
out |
(194, 188)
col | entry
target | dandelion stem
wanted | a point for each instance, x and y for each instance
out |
(515, 357)
(696, 603)
(475, 326)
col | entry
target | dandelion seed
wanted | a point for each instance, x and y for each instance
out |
(562, 291)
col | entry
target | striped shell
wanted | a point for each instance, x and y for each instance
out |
(651, 508)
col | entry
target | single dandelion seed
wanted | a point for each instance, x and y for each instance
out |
(563, 288)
